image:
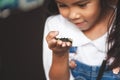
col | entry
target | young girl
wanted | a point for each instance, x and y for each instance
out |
(93, 26)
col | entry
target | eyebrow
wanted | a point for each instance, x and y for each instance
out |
(80, 1)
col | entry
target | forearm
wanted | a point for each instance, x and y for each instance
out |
(60, 68)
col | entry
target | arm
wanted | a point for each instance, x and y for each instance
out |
(59, 69)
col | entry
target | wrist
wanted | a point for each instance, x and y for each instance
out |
(60, 59)
(60, 54)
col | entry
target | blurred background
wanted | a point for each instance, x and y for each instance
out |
(21, 32)
(25, 5)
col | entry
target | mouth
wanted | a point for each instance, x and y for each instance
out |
(80, 24)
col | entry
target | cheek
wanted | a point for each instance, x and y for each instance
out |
(64, 13)
(92, 15)
(94, 10)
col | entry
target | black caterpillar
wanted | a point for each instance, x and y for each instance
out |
(65, 39)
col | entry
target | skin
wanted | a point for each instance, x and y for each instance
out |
(58, 72)
(85, 14)
(72, 64)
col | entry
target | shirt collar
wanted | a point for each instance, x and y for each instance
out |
(80, 38)
(99, 43)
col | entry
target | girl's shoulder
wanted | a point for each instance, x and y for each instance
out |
(55, 19)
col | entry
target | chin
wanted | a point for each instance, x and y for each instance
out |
(83, 28)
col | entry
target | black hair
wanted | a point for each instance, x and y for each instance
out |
(106, 5)
(114, 40)
(51, 7)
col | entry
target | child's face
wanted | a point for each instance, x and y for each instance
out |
(83, 13)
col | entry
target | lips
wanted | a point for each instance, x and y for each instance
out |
(80, 24)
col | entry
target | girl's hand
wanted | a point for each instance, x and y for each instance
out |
(72, 64)
(116, 70)
(58, 47)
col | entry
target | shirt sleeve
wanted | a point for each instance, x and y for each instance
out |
(47, 53)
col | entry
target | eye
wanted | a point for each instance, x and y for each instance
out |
(62, 5)
(82, 5)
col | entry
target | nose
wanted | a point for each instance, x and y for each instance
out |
(74, 14)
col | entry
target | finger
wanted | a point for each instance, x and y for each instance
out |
(64, 44)
(59, 43)
(51, 40)
(51, 35)
(68, 44)
(116, 70)
(52, 43)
